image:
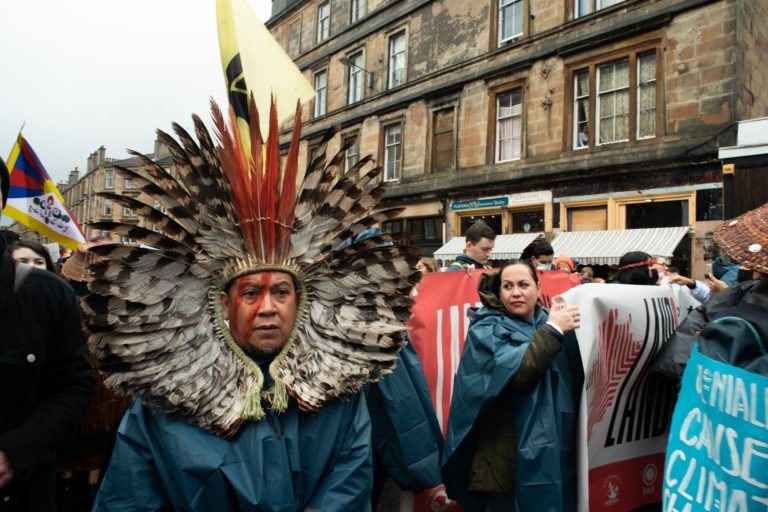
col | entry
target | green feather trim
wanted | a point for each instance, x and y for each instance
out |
(252, 410)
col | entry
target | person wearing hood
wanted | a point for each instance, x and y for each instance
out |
(45, 378)
(480, 238)
(511, 439)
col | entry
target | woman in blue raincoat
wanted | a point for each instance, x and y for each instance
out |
(511, 441)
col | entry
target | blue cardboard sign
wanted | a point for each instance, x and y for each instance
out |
(717, 455)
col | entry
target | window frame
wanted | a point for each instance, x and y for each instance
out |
(493, 128)
(434, 112)
(320, 105)
(357, 10)
(128, 184)
(106, 208)
(616, 207)
(356, 70)
(502, 6)
(347, 154)
(384, 147)
(590, 64)
(129, 212)
(323, 23)
(401, 32)
(594, 6)
(109, 179)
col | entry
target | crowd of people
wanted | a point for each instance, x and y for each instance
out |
(293, 391)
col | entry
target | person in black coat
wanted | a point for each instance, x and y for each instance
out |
(45, 379)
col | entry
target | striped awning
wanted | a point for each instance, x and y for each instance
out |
(507, 247)
(607, 247)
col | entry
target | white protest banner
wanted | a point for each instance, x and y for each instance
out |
(625, 411)
(717, 458)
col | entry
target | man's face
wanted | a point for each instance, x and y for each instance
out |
(661, 266)
(261, 309)
(543, 260)
(481, 251)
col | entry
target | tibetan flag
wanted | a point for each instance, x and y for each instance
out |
(254, 63)
(34, 200)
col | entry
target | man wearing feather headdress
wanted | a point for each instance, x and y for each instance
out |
(242, 330)
(45, 377)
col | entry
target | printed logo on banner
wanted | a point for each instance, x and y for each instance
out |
(717, 457)
(612, 487)
(650, 473)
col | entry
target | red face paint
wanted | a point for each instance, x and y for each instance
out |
(262, 311)
(244, 326)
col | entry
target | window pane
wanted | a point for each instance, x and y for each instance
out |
(392, 152)
(355, 81)
(602, 4)
(661, 214)
(583, 7)
(646, 95)
(508, 125)
(443, 147)
(352, 156)
(357, 10)
(321, 88)
(323, 22)
(510, 19)
(528, 222)
(397, 59)
(613, 101)
(581, 109)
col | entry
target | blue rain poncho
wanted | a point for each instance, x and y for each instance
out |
(406, 433)
(295, 461)
(537, 425)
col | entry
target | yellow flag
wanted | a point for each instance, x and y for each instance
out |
(254, 63)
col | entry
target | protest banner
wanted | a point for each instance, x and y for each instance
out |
(717, 457)
(625, 411)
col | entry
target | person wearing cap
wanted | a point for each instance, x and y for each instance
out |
(45, 377)
(745, 240)
(564, 264)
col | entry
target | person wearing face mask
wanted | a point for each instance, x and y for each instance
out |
(541, 254)
(745, 240)
(45, 377)
(511, 439)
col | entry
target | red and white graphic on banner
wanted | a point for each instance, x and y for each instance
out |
(625, 410)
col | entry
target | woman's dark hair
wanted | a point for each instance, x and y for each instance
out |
(635, 268)
(525, 263)
(38, 249)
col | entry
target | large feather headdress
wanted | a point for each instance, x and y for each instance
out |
(154, 312)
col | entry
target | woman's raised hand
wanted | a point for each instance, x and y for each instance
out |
(566, 319)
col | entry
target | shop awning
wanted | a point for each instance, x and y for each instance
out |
(507, 247)
(607, 247)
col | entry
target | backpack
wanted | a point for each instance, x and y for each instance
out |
(735, 340)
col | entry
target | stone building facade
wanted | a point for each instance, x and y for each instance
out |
(536, 115)
(102, 175)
